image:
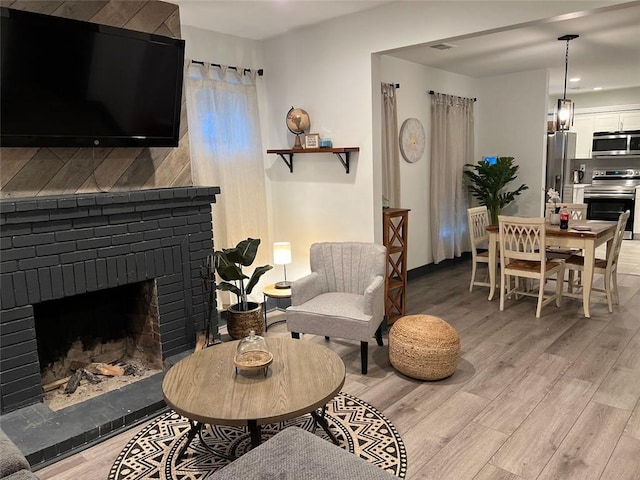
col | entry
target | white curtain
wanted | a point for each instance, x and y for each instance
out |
(451, 148)
(390, 157)
(226, 151)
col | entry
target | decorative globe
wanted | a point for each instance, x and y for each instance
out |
(298, 122)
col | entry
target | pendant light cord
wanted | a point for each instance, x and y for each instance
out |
(566, 69)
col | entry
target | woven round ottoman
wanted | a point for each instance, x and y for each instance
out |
(424, 347)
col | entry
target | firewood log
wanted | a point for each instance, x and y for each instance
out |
(74, 381)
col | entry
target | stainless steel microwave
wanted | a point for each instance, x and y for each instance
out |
(615, 144)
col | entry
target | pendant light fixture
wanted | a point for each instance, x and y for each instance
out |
(564, 115)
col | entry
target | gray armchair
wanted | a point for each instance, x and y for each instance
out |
(343, 296)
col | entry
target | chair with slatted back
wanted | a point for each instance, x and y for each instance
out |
(478, 218)
(522, 255)
(607, 267)
(577, 212)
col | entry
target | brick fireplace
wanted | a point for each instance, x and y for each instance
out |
(55, 247)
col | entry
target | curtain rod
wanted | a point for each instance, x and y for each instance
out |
(431, 92)
(244, 70)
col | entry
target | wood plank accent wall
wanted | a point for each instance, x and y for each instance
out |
(30, 172)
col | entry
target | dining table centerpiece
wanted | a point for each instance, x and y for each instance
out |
(554, 197)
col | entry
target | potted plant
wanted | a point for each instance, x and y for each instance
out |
(243, 316)
(488, 182)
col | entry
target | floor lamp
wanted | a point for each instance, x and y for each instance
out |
(282, 256)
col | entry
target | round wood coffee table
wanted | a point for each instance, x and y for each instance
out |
(205, 388)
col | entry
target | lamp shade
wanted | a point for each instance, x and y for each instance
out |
(282, 253)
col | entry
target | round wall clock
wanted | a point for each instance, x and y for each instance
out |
(412, 140)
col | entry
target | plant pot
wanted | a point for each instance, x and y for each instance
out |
(554, 219)
(241, 322)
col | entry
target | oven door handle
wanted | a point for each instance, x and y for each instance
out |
(621, 196)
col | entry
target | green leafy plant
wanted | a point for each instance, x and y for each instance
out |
(228, 264)
(488, 184)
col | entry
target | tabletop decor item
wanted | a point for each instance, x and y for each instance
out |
(243, 316)
(253, 354)
(298, 122)
(412, 140)
(488, 183)
(554, 197)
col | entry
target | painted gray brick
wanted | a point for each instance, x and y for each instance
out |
(127, 238)
(155, 234)
(114, 251)
(90, 243)
(57, 282)
(67, 202)
(87, 221)
(112, 272)
(33, 286)
(80, 256)
(20, 288)
(146, 245)
(74, 234)
(38, 262)
(186, 230)
(174, 240)
(7, 206)
(33, 239)
(13, 230)
(19, 313)
(136, 197)
(125, 218)
(200, 218)
(78, 214)
(91, 275)
(26, 205)
(86, 201)
(101, 273)
(132, 272)
(80, 278)
(68, 280)
(150, 263)
(109, 230)
(8, 267)
(27, 217)
(5, 243)
(110, 198)
(155, 215)
(117, 209)
(121, 265)
(56, 248)
(18, 253)
(150, 195)
(172, 222)
(46, 204)
(52, 226)
(142, 226)
(159, 262)
(7, 298)
(46, 289)
(141, 265)
(168, 260)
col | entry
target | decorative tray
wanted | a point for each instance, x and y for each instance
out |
(253, 360)
(581, 228)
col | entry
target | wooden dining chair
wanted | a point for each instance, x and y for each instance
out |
(577, 212)
(522, 255)
(607, 267)
(478, 218)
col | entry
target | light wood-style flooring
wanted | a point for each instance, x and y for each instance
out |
(549, 398)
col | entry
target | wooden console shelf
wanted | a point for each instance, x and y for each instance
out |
(338, 152)
(394, 237)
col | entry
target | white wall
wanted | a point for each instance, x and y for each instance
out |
(329, 70)
(511, 122)
(413, 101)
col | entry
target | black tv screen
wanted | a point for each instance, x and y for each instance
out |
(68, 83)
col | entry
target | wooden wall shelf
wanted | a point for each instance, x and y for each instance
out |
(341, 152)
(394, 237)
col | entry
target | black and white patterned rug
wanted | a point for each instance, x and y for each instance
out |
(152, 453)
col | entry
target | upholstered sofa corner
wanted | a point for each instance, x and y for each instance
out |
(295, 454)
(13, 464)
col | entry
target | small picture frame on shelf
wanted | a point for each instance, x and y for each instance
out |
(312, 140)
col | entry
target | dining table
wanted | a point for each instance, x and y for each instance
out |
(585, 235)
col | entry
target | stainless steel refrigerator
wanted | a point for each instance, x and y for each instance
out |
(561, 148)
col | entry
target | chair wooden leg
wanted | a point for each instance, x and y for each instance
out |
(503, 285)
(541, 296)
(473, 274)
(559, 286)
(570, 287)
(379, 335)
(295, 335)
(607, 289)
(364, 354)
(614, 282)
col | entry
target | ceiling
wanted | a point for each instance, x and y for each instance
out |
(607, 53)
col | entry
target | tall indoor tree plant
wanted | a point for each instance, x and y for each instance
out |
(488, 182)
(244, 315)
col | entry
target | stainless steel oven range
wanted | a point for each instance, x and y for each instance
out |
(612, 192)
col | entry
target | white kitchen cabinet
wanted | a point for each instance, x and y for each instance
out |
(583, 125)
(630, 121)
(607, 122)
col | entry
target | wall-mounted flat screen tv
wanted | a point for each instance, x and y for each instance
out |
(68, 83)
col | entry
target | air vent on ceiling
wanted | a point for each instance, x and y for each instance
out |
(443, 46)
